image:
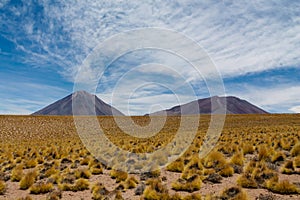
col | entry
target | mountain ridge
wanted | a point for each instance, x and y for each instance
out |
(90, 104)
(86, 104)
(222, 105)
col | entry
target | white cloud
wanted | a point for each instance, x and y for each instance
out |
(295, 109)
(280, 98)
(145, 104)
(20, 106)
(241, 37)
(155, 68)
(22, 97)
(3, 3)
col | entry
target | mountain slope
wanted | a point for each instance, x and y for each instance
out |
(230, 104)
(86, 104)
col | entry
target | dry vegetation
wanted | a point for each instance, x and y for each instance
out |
(256, 157)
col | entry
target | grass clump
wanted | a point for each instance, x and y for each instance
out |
(288, 167)
(31, 163)
(296, 150)
(248, 149)
(278, 156)
(283, 187)
(263, 153)
(96, 169)
(41, 188)
(118, 175)
(297, 162)
(237, 159)
(99, 191)
(85, 161)
(227, 171)
(119, 195)
(191, 184)
(50, 172)
(176, 166)
(234, 193)
(17, 173)
(28, 180)
(54, 195)
(2, 187)
(155, 190)
(82, 173)
(79, 185)
(131, 182)
(246, 181)
(215, 159)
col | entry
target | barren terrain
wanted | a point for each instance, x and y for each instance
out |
(256, 157)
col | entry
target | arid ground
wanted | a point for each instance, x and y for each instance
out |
(256, 157)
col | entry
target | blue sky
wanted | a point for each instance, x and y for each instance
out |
(254, 45)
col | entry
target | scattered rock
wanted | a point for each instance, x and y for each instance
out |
(214, 178)
(140, 189)
(266, 197)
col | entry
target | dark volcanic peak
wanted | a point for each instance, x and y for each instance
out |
(79, 103)
(214, 105)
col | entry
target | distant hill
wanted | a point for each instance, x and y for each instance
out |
(87, 104)
(233, 105)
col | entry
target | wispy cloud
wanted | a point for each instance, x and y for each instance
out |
(295, 109)
(3, 3)
(20, 106)
(240, 37)
(284, 98)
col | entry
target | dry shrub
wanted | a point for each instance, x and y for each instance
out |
(234, 193)
(227, 171)
(246, 181)
(131, 182)
(176, 166)
(119, 195)
(282, 187)
(118, 175)
(80, 185)
(31, 163)
(50, 172)
(155, 190)
(237, 159)
(82, 173)
(41, 188)
(215, 160)
(85, 161)
(278, 156)
(99, 191)
(248, 149)
(17, 173)
(194, 163)
(96, 169)
(296, 150)
(263, 153)
(288, 167)
(297, 162)
(28, 180)
(191, 184)
(2, 187)
(54, 195)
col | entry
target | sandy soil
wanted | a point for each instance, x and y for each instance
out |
(13, 191)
